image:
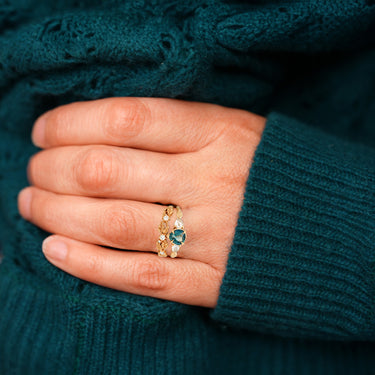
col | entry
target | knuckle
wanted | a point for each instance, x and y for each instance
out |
(97, 169)
(234, 170)
(119, 225)
(93, 265)
(125, 118)
(151, 274)
(233, 177)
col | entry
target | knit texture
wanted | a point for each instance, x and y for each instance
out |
(303, 261)
(298, 295)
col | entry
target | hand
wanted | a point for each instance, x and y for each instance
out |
(105, 166)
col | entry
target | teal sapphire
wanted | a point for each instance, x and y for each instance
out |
(178, 236)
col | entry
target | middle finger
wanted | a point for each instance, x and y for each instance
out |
(112, 172)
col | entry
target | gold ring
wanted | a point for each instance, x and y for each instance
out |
(178, 235)
(162, 243)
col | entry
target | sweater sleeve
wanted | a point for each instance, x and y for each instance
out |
(302, 261)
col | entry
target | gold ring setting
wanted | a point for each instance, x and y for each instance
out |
(177, 236)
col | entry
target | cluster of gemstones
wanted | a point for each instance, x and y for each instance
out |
(177, 236)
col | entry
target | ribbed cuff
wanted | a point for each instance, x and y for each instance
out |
(302, 261)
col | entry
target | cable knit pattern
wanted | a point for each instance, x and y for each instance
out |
(298, 295)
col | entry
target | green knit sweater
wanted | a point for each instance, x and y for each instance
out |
(298, 294)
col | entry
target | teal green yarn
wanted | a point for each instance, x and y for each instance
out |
(298, 292)
(307, 225)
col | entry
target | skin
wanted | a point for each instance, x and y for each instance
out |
(109, 167)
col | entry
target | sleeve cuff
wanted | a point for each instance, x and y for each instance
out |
(302, 261)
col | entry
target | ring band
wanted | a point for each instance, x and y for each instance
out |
(162, 243)
(178, 235)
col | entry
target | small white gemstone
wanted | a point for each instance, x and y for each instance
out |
(179, 224)
(175, 248)
(166, 218)
(162, 237)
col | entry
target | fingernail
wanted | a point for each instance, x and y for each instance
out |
(38, 132)
(24, 203)
(54, 249)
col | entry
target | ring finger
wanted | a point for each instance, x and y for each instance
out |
(122, 224)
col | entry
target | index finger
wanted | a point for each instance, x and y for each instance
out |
(157, 124)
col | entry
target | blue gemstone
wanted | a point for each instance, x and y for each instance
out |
(178, 236)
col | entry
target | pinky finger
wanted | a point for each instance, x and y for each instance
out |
(175, 279)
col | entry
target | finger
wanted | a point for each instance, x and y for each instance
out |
(122, 224)
(112, 172)
(181, 280)
(158, 124)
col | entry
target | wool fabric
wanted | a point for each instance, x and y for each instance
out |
(298, 294)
